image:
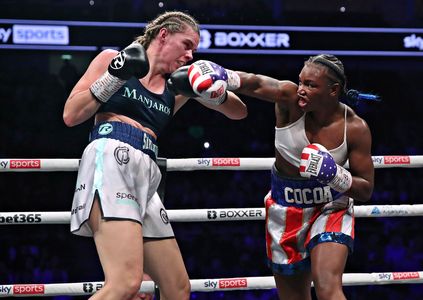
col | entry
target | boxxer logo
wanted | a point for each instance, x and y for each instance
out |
(252, 39)
(122, 155)
(211, 214)
(89, 287)
(205, 39)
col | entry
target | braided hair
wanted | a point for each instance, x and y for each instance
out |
(173, 21)
(336, 74)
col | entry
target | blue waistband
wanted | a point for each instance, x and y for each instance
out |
(300, 192)
(126, 133)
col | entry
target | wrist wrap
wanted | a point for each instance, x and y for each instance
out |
(234, 81)
(104, 87)
(342, 180)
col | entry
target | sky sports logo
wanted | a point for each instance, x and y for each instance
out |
(20, 164)
(405, 275)
(232, 283)
(226, 162)
(219, 162)
(5, 289)
(40, 34)
(396, 159)
(35, 34)
(25, 164)
(28, 289)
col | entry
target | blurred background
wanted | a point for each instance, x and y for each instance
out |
(35, 82)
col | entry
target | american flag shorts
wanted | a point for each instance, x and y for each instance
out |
(291, 233)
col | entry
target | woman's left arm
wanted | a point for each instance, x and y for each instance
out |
(360, 160)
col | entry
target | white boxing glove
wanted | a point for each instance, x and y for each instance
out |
(211, 81)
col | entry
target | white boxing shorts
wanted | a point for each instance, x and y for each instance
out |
(125, 179)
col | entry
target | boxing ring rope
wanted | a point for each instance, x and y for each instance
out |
(193, 164)
(211, 214)
(203, 215)
(204, 285)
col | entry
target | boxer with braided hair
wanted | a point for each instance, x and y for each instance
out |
(173, 21)
(133, 95)
(309, 210)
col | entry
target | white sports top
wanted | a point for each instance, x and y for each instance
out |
(291, 140)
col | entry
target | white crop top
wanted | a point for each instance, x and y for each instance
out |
(291, 140)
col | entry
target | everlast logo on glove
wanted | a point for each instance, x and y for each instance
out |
(313, 166)
(204, 67)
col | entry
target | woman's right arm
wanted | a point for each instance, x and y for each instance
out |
(266, 88)
(81, 104)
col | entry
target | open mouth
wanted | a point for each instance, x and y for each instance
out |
(302, 102)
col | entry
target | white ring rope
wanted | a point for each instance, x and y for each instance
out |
(190, 164)
(211, 214)
(204, 285)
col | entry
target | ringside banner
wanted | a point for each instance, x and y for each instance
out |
(230, 39)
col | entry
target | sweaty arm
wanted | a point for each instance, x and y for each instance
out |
(81, 103)
(360, 160)
(266, 88)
